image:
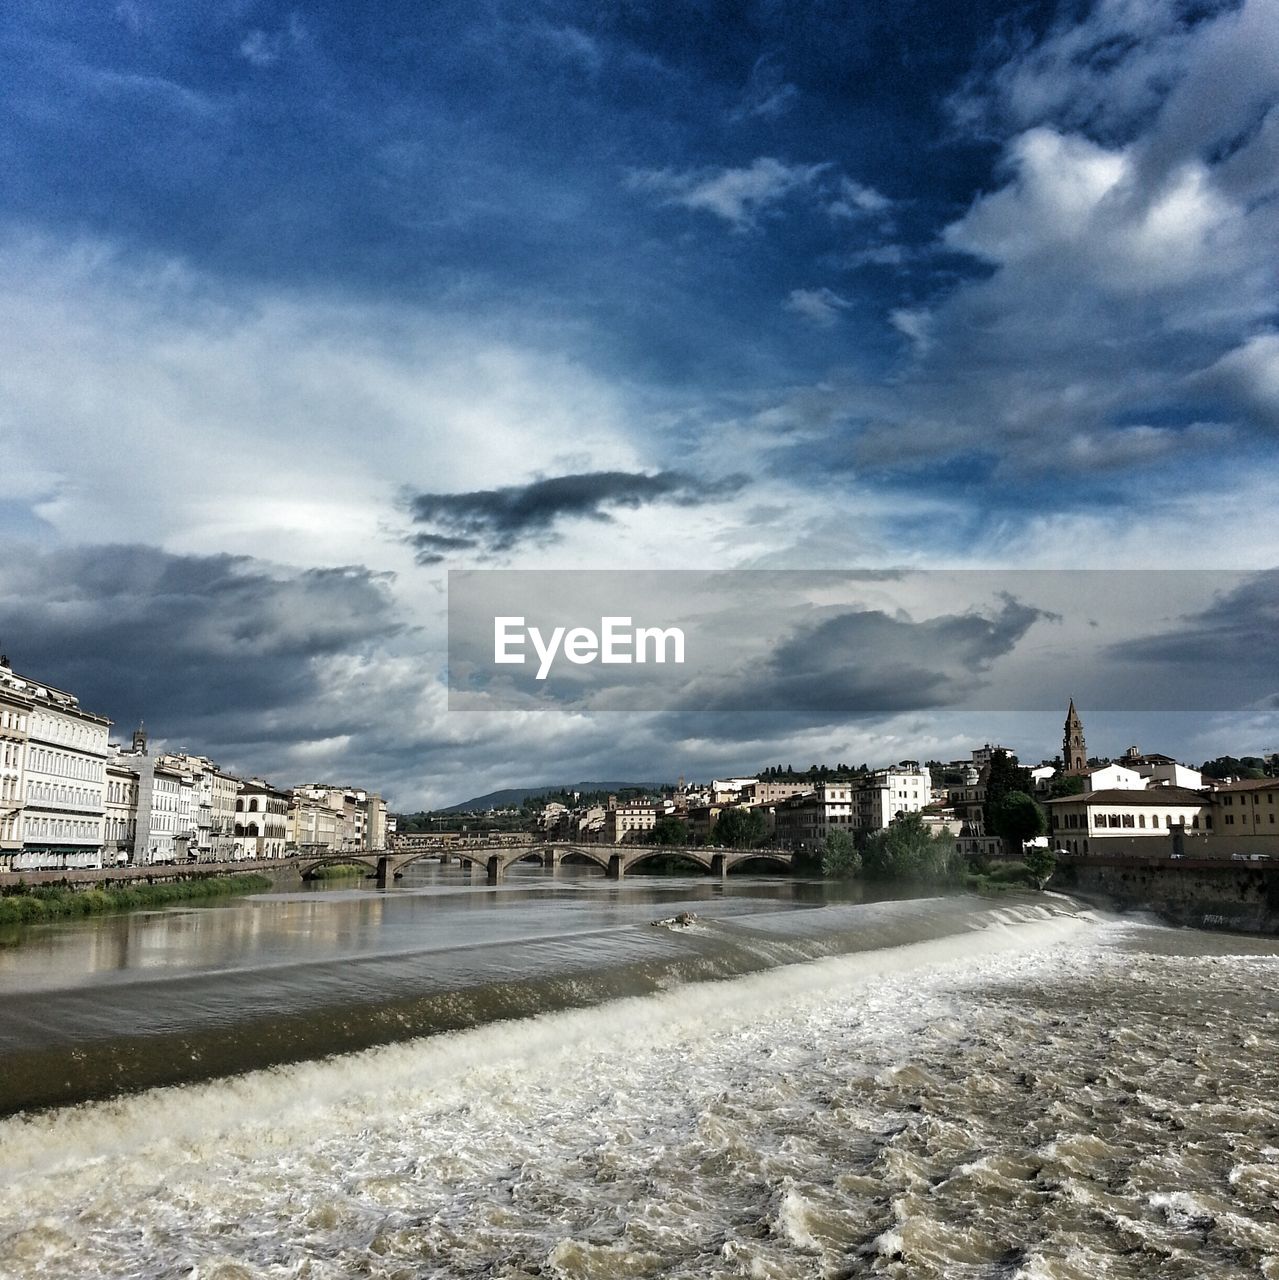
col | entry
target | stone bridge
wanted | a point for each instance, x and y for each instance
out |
(496, 859)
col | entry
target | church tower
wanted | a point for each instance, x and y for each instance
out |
(1074, 753)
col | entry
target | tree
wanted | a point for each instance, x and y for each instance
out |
(669, 830)
(840, 856)
(739, 828)
(1040, 865)
(907, 850)
(1252, 767)
(1003, 775)
(1017, 818)
(1066, 785)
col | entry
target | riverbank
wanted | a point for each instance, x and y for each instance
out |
(33, 904)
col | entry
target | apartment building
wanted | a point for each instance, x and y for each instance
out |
(59, 810)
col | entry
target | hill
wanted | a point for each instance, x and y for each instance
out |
(512, 797)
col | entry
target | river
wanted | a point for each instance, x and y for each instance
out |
(796, 1084)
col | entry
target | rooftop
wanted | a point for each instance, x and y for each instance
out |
(1155, 797)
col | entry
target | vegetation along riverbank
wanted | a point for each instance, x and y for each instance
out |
(29, 904)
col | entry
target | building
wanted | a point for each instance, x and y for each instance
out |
(261, 821)
(887, 794)
(345, 819)
(15, 716)
(1074, 751)
(314, 825)
(120, 819)
(1246, 808)
(1111, 777)
(60, 808)
(1082, 824)
(629, 822)
(210, 798)
(1161, 770)
(770, 791)
(863, 804)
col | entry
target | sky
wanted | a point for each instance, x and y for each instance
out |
(303, 306)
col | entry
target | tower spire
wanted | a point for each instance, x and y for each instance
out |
(1074, 752)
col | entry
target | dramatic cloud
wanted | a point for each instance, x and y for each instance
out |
(867, 661)
(1229, 646)
(185, 641)
(500, 519)
(1011, 307)
(1123, 316)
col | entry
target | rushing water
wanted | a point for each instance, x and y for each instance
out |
(938, 1087)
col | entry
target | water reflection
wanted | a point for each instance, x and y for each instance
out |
(432, 907)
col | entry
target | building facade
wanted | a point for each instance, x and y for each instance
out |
(1081, 824)
(63, 776)
(261, 821)
(15, 717)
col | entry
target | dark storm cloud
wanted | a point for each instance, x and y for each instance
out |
(432, 547)
(868, 661)
(185, 642)
(1232, 642)
(501, 519)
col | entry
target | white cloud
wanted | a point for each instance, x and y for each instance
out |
(855, 199)
(1130, 242)
(739, 196)
(821, 307)
(1250, 374)
(138, 400)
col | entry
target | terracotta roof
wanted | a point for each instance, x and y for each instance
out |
(1156, 797)
(1247, 784)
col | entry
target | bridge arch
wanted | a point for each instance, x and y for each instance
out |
(783, 860)
(652, 852)
(307, 867)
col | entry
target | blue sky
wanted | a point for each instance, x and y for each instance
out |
(304, 304)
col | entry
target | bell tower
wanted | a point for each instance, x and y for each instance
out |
(1074, 754)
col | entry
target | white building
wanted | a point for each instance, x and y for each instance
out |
(261, 821)
(889, 793)
(629, 821)
(63, 776)
(868, 803)
(1162, 771)
(1112, 777)
(1082, 824)
(15, 716)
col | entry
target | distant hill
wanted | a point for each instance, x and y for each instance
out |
(510, 797)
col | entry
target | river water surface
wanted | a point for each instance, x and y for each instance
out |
(793, 1086)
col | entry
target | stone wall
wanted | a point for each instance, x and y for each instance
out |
(1242, 899)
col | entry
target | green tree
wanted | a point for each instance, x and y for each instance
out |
(1040, 864)
(739, 828)
(1017, 818)
(840, 856)
(669, 830)
(1003, 775)
(1066, 785)
(907, 850)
